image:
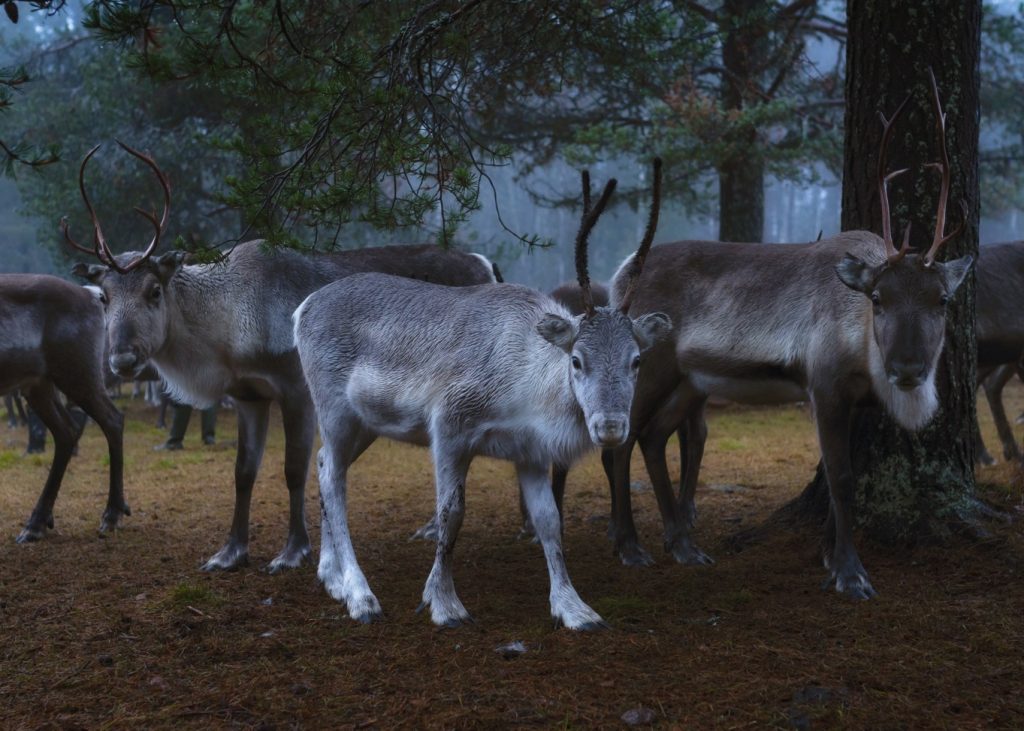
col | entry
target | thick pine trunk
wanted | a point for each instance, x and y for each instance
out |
(914, 486)
(741, 172)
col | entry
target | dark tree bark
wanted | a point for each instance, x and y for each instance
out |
(741, 172)
(914, 486)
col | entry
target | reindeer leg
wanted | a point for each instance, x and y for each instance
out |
(679, 515)
(993, 386)
(558, 477)
(450, 468)
(299, 432)
(101, 409)
(253, 417)
(833, 422)
(566, 606)
(631, 553)
(344, 440)
(45, 402)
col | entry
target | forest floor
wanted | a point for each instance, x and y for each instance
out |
(124, 631)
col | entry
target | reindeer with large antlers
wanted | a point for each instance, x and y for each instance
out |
(877, 338)
(226, 328)
(502, 371)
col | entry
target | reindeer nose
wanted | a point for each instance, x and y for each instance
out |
(610, 431)
(123, 364)
(907, 374)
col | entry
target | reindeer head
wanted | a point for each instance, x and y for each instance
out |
(909, 292)
(133, 285)
(604, 345)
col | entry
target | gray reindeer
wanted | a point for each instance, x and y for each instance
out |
(226, 328)
(502, 371)
(847, 319)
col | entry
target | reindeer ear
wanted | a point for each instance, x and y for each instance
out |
(558, 331)
(857, 274)
(168, 264)
(651, 328)
(955, 272)
(93, 272)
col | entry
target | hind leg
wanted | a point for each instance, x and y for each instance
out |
(45, 402)
(344, 440)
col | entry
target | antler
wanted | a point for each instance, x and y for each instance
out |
(100, 248)
(589, 219)
(636, 266)
(883, 187)
(943, 167)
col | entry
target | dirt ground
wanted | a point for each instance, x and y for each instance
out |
(124, 631)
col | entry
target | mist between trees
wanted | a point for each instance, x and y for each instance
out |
(742, 99)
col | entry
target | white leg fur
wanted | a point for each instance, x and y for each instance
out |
(339, 570)
(566, 606)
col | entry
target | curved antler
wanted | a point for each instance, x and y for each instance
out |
(888, 125)
(100, 248)
(589, 219)
(943, 167)
(636, 266)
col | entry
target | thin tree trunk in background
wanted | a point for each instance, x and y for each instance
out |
(741, 173)
(914, 486)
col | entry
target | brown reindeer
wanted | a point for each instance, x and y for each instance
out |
(51, 340)
(845, 320)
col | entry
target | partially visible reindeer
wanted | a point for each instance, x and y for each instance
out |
(502, 371)
(1000, 328)
(51, 340)
(226, 328)
(846, 320)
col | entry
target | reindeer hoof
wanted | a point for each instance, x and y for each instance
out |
(631, 554)
(986, 460)
(689, 555)
(30, 535)
(426, 532)
(228, 558)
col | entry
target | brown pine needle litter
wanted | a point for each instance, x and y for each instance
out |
(126, 632)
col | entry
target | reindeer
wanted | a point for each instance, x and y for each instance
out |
(51, 340)
(502, 371)
(807, 336)
(225, 328)
(1000, 330)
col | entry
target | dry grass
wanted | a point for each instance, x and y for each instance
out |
(125, 632)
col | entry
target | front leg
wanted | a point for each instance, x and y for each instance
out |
(450, 468)
(628, 547)
(299, 431)
(566, 606)
(845, 569)
(253, 417)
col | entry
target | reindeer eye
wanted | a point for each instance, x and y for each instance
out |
(576, 364)
(876, 299)
(944, 300)
(636, 362)
(103, 298)
(155, 294)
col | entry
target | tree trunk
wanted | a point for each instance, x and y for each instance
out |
(914, 486)
(741, 171)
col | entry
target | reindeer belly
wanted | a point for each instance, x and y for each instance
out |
(388, 406)
(748, 390)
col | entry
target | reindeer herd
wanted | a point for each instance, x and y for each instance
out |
(429, 346)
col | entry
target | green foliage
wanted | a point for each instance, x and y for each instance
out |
(85, 97)
(1002, 109)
